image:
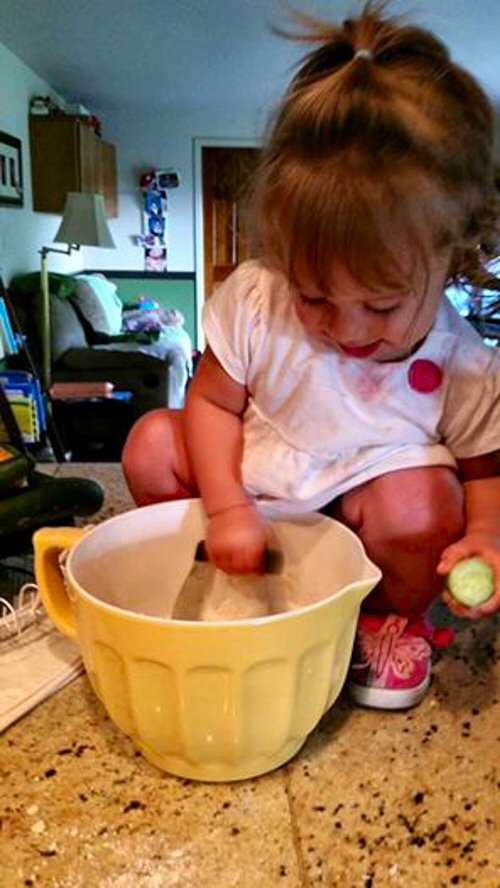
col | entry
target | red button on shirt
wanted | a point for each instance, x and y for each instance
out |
(424, 376)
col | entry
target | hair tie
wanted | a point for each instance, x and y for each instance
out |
(363, 53)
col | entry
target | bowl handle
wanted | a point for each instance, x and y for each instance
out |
(48, 544)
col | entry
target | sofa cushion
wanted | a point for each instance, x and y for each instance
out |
(65, 328)
(97, 300)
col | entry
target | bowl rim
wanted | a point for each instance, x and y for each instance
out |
(372, 572)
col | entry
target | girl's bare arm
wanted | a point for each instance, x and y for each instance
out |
(236, 536)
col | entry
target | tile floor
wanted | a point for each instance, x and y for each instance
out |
(373, 800)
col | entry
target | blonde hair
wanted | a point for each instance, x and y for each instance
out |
(380, 142)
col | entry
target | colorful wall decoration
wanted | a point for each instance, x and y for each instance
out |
(154, 185)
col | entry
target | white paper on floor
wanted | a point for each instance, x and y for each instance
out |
(35, 659)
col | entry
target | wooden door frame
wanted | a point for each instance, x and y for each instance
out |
(199, 254)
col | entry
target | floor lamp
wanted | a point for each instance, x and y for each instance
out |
(83, 224)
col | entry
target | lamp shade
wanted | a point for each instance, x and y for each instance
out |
(84, 222)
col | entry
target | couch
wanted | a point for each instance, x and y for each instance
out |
(154, 365)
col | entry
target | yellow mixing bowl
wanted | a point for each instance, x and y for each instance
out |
(208, 701)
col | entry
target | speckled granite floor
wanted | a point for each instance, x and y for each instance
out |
(373, 800)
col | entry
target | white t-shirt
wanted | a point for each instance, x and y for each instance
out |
(319, 423)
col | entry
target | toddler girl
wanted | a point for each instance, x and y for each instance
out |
(337, 375)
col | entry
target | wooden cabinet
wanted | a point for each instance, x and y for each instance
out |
(66, 155)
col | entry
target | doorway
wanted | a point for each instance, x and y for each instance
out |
(223, 176)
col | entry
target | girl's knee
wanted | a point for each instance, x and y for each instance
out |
(436, 506)
(405, 520)
(154, 458)
(419, 503)
(147, 435)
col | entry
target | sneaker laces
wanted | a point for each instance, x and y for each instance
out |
(392, 642)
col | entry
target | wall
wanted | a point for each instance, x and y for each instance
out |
(23, 232)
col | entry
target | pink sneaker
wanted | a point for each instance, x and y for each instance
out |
(391, 663)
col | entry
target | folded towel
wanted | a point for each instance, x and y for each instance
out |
(35, 659)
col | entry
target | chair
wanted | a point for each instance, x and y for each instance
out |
(30, 499)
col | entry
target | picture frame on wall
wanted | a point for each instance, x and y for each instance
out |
(11, 171)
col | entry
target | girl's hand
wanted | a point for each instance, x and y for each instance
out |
(481, 544)
(236, 540)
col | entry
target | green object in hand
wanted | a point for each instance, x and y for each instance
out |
(471, 582)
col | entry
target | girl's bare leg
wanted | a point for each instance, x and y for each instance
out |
(154, 459)
(405, 520)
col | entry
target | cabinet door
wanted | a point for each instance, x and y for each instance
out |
(108, 185)
(55, 164)
(88, 148)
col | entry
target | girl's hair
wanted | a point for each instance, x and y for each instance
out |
(382, 147)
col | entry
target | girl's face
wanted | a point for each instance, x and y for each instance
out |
(383, 324)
